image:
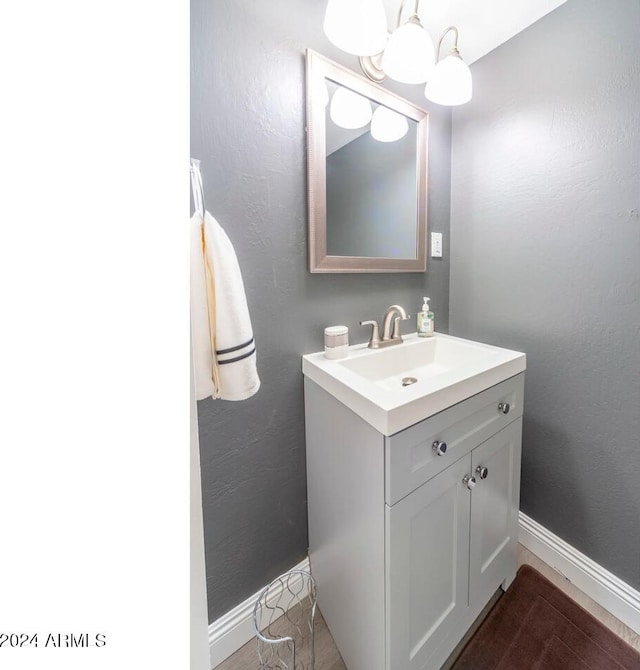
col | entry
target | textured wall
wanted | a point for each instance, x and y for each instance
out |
(546, 259)
(248, 129)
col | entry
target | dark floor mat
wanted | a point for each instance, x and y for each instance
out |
(535, 626)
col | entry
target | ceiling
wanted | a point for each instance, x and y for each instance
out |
(482, 26)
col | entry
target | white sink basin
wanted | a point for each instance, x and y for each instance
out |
(440, 371)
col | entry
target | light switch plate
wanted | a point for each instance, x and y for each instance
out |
(436, 245)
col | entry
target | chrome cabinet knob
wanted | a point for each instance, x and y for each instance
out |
(504, 407)
(469, 481)
(482, 471)
(439, 447)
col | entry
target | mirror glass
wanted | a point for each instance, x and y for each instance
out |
(367, 174)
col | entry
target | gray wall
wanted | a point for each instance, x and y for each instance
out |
(247, 127)
(546, 259)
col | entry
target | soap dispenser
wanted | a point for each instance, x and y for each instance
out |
(425, 323)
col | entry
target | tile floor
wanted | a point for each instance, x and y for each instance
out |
(328, 657)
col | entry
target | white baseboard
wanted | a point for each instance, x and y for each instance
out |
(234, 629)
(599, 584)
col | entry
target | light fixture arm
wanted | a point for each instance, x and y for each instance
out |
(402, 4)
(455, 44)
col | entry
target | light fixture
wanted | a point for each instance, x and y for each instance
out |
(450, 83)
(387, 125)
(358, 27)
(349, 109)
(407, 56)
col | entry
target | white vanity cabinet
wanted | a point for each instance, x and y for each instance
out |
(407, 544)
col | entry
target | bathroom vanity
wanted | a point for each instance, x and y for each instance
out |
(413, 494)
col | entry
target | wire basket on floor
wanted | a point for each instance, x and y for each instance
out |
(283, 619)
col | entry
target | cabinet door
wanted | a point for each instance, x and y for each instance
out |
(427, 550)
(494, 512)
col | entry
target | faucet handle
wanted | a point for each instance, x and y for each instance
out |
(375, 335)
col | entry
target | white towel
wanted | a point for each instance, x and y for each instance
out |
(223, 346)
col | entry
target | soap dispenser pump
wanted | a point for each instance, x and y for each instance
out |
(425, 323)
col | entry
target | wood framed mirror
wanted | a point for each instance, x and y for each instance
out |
(367, 176)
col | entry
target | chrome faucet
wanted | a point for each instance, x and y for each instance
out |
(389, 336)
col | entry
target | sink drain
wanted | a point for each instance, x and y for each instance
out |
(407, 381)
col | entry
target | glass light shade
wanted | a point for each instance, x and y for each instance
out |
(387, 125)
(409, 56)
(450, 83)
(349, 109)
(358, 27)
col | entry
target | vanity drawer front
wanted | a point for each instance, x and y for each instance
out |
(410, 458)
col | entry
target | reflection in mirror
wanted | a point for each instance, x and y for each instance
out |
(372, 200)
(367, 174)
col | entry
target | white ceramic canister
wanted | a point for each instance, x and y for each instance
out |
(336, 341)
